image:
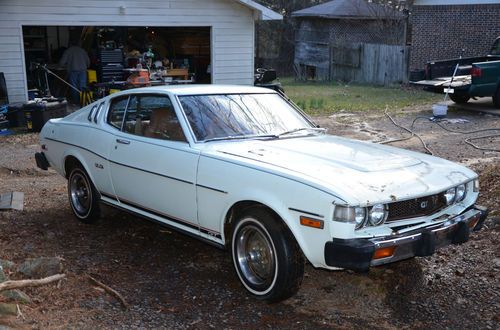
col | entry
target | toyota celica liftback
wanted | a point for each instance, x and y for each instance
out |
(243, 168)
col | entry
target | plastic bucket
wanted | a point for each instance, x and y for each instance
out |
(440, 110)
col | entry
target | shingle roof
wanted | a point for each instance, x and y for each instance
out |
(355, 9)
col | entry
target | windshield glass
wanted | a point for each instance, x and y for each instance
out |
(241, 115)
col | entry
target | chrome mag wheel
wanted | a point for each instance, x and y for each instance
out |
(255, 256)
(80, 192)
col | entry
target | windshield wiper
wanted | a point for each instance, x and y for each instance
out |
(264, 136)
(242, 137)
(314, 129)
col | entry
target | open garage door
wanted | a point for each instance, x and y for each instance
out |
(120, 57)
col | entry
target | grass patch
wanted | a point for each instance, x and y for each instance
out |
(318, 98)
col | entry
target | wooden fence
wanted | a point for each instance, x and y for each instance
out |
(357, 62)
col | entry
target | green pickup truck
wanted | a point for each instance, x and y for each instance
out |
(475, 77)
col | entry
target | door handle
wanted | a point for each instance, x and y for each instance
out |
(120, 141)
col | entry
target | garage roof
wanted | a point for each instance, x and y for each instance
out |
(264, 12)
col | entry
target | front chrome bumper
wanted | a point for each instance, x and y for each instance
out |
(361, 254)
(425, 242)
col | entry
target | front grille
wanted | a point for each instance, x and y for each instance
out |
(417, 207)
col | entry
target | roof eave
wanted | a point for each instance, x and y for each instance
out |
(263, 13)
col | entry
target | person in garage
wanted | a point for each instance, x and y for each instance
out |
(76, 61)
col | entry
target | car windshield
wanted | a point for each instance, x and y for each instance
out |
(235, 116)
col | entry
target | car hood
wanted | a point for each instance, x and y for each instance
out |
(357, 172)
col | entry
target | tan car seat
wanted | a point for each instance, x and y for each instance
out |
(164, 125)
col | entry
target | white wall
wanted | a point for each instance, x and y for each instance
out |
(232, 30)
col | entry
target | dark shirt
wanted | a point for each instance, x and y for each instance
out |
(75, 59)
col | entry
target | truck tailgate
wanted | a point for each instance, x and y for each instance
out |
(459, 81)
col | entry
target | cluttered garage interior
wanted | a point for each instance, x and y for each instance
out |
(118, 58)
(78, 65)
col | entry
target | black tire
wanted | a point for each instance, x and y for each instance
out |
(83, 196)
(277, 270)
(459, 99)
(496, 98)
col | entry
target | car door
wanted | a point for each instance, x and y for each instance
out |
(99, 141)
(153, 168)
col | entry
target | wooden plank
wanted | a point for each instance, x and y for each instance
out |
(12, 201)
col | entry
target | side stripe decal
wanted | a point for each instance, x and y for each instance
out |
(164, 216)
(121, 164)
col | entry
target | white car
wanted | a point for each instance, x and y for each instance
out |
(243, 168)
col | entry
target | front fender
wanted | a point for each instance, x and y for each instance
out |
(311, 240)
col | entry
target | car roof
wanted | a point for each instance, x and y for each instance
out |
(199, 90)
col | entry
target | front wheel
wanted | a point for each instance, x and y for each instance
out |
(266, 256)
(83, 196)
(459, 99)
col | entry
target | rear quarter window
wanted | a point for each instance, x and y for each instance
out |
(117, 112)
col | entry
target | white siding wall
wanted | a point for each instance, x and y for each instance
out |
(232, 30)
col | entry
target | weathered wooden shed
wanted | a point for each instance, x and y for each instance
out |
(351, 40)
(229, 25)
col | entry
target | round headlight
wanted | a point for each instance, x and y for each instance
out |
(377, 214)
(461, 191)
(450, 196)
(360, 216)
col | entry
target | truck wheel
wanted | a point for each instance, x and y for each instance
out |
(266, 256)
(83, 196)
(496, 98)
(460, 99)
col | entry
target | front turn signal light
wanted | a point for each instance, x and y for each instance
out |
(384, 252)
(310, 222)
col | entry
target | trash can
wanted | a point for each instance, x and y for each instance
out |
(4, 97)
(36, 114)
(4, 123)
(15, 115)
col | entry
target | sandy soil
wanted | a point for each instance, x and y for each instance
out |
(172, 281)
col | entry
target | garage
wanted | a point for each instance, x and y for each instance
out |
(119, 57)
(195, 41)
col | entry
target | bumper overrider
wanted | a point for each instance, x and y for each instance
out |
(41, 161)
(361, 254)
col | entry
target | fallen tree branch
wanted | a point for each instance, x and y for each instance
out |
(110, 290)
(19, 313)
(11, 285)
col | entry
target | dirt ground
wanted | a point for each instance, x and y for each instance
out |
(172, 281)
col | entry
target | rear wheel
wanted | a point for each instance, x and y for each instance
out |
(266, 256)
(460, 99)
(83, 196)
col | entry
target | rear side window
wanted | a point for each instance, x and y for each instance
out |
(153, 116)
(117, 111)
